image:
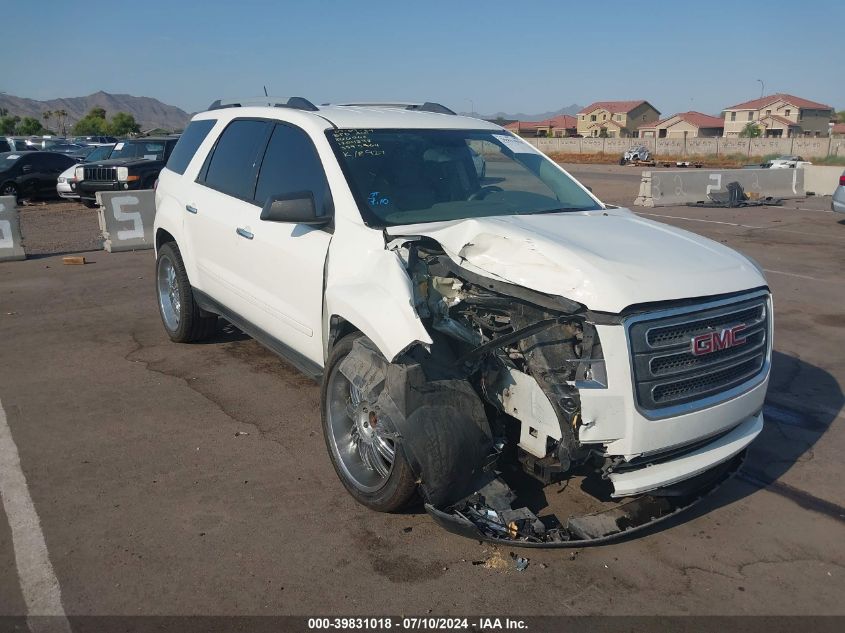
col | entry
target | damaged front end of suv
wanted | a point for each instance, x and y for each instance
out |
(496, 397)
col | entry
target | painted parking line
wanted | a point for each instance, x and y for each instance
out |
(676, 217)
(39, 585)
(745, 226)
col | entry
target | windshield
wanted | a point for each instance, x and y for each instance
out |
(411, 176)
(151, 150)
(101, 152)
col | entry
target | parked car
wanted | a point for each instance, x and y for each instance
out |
(95, 140)
(133, 164)
(31, 174)
(66, 184)
(12, 144)
(462, 329)
(838, 201)
(64, 148)
(634, 154)
(786, 162)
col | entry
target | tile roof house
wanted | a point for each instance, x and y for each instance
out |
(615, 118)
(683, 124)
(837, 129)
(779, 115)
(560, 125)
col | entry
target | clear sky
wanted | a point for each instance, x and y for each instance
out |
(493, 56)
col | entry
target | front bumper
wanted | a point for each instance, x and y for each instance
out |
(88, 188)
(688, 465)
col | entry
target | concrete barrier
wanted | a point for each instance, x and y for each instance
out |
(11, 244)
(821, 179)
(126, 219)
(671, 187)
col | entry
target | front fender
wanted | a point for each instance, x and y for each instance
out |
(377, 298)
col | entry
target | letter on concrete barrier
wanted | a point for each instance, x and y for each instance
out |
(6, 234)
(137, 232)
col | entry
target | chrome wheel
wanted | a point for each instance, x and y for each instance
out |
(9, 190)
(169, 300)
(361, 445)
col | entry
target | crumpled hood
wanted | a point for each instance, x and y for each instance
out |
(606, 260)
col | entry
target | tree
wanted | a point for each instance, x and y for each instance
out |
(97, 113)
(123, 124)
(61, 116)
(47, 115)
(751, 130)
(8, 124)
(29, 126)
(840, 116)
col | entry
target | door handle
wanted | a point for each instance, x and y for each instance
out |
(190, 209)
(244, 233)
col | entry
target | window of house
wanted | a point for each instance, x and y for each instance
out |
(733, 116)
(787, 112)
(604, 117)
(592, 117)
(750, 116)
(768, 112)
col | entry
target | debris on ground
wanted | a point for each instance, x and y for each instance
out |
(239, 433)
(74, 261)
(734, 197)
(520, 563)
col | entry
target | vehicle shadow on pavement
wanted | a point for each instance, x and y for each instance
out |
(789, 436)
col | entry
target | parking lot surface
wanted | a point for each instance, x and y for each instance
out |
(193, 479)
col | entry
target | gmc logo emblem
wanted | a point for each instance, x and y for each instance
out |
(715, 341)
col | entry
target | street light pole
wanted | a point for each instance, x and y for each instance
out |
(762, 87)
(471, 106)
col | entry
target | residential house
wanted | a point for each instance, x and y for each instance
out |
(837, 130)
(615, 118)
(683, 125)
(561, 125)
(779, 115)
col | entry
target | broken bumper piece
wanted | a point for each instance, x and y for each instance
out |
(488, 514)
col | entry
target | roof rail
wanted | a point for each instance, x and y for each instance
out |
(428, 106)
(297, 103)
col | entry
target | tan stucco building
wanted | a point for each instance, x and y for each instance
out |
(683, 125)
(557, 126)
(779, 115)
(615, 118)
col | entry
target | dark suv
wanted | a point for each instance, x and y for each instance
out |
(133, 164)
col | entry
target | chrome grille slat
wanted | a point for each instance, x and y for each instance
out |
(99, 173)
(666, 372)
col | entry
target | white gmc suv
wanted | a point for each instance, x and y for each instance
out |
(473, 313)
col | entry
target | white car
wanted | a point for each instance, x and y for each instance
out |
(786, 162)
(66, 185)
(462, 328)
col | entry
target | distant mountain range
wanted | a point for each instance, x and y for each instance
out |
(148, 112)
(521, 116)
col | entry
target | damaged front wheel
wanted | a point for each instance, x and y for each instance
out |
(365, 453)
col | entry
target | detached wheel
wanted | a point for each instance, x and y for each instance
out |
(370, 464)
(182, 318)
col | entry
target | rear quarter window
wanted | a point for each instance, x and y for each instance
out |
(188, 143)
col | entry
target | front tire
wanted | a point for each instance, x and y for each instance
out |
(181, 316)
(9, 189)
(372, 466)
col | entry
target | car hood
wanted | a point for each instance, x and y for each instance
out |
(123, 162)
(606, 260)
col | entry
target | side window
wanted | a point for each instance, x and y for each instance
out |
(291, 164)
(233, 165)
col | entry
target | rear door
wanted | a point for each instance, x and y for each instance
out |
(279, 266)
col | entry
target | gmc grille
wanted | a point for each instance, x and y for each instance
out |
(667, 373)
(100, 173)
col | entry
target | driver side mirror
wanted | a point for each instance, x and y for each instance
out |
(293, 208)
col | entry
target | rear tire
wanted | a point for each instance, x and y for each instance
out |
(181, 316)
(389, 486)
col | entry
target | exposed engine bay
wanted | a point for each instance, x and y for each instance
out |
(495, 400)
